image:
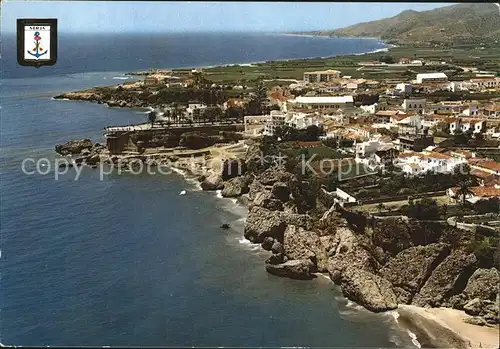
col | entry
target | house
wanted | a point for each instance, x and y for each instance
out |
(431, 120)
(370, 109)
(355, 84)
(413, 142)
(404, 60)
(414, 105)
(477, 194)
(336, 102)
(488, 166)
(361, 131)
(454, 107)
(194, 109)
(321, 76)
(416, 163)
(472, 110)
(302, 120)
(404, 88)
(389, 116)
(491, 110)
(426, 77)
(275, 120)
(381, 158)
(477, 125)
(368, 148)
(411, 124)
(485, 82)
(456, 86)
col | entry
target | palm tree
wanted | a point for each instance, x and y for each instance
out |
(152, 117)
(463, 191)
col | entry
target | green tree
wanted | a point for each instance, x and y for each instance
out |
(424, 209)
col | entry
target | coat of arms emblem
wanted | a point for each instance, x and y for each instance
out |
(36, 42)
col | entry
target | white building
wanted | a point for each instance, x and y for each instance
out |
(414, 105)
(276, 119)
(412, 124)
(419, 163)
(477, 125)
(404, 88)
(302, 120)
(485, 83)
(321, 76)
(370, 109)
(336, 102)
(190, 110)
(429, 77)
(368, 148)
(473, 110)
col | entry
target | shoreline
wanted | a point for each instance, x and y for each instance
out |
(444, 327)
(425, 327)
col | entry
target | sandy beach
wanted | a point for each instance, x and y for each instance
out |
(445, 328)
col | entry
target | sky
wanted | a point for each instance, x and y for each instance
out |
(182, 16)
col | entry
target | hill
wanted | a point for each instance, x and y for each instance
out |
(462, 22)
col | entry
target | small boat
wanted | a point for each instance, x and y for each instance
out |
(182, 192)
(225, 226)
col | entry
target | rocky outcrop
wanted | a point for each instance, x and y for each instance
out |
(267, 244)
(255, 188)
(277, 247)
(349, 252)
(329, 243)
(212, 182)
(273, 175)
(298, 219)
(483, 284)
(266, 200)
(294, 269)
(486, 309)
(445, 279)
(262, 223)
(276, 258)
(392, 235)
(280, 191)
(74, 147)
(410, 269)
(480, 296)
(235, 187)
(302, 244)
(367, 289)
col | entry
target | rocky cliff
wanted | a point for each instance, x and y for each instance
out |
(378, 264)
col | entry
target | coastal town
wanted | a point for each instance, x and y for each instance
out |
(381, 171)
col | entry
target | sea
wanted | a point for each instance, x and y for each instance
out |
(124, 259)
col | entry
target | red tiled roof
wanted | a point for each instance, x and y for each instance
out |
(490, 165)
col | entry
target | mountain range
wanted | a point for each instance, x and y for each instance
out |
(461, 22)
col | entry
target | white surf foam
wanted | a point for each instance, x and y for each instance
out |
(414, 340)
(244, 241)
(219, 194)
(120, 77)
